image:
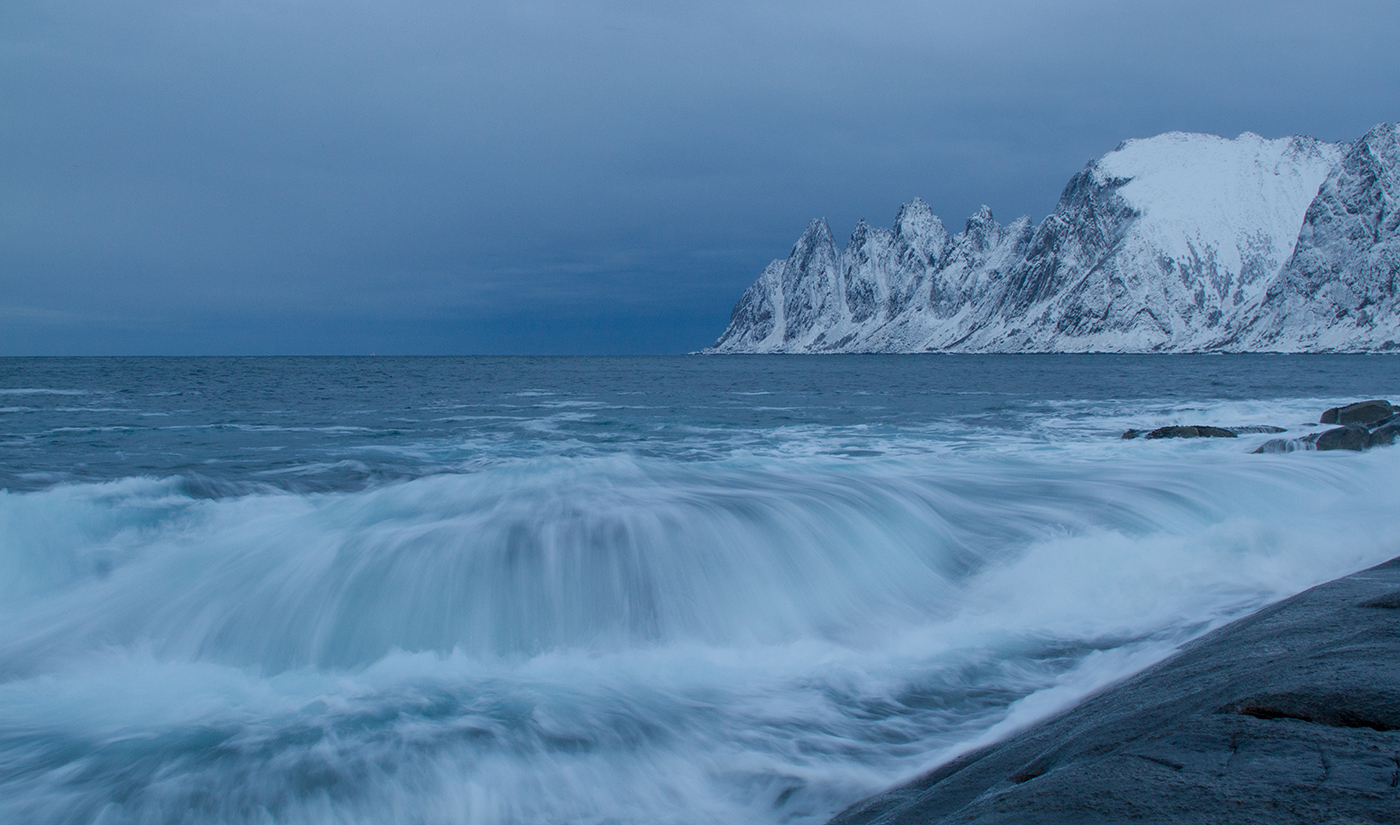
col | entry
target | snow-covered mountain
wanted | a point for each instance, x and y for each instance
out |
(1176, 243)
(1339, 293)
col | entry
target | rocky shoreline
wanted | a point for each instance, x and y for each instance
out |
(1289, 715)
(1363, 424)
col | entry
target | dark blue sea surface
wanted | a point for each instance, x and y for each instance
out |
(620, 590)
(308, 424)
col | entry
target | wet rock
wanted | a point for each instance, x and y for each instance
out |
(1201, 431)
(1190, 432)
(1350, 437)
(1386, 434)
(1289, 445)
(1376, 708)
(1389, 601)
(1286, 716)
(1361, 412)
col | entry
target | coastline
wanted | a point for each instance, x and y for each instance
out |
(1290, 714)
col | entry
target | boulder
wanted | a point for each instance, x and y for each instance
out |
(1362, 412)
(1350, 437)
(1281, 445)
(1190, 432)
(1385, 434)
(1256, 428)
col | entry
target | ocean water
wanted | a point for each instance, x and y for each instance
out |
(619, 590)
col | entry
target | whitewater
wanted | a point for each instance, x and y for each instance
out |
(748, 589)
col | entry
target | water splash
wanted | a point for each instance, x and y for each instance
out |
(619, 639)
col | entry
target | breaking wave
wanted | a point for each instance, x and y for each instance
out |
(619, 639)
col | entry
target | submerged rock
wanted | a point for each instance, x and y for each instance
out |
(1361, 412)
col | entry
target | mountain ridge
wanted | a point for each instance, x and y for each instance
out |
(1176, 243)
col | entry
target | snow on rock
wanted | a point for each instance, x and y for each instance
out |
(1338, 293)
(1171, 243)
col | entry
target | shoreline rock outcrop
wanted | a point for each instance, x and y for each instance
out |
(1365, 424)
(1290, 715)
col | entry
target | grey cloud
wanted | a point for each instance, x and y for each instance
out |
(279, 173)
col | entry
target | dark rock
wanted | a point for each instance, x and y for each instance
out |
(1256, 428)
(1190, 432)
(1286, 716)
(1390, 601)
(1384, 435)
(1132, 433)
(1374, 709)
(1350, 437)
(1281, 445)
(1362, 412)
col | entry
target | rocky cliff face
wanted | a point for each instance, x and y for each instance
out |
(1338, 292)
(1178, 243)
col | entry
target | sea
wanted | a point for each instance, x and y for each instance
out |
(621, 591)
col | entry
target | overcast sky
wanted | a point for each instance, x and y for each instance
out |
(424, 176)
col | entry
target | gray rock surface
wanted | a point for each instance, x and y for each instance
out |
(1281, 445)
(1361, 412)
(1196, 431)
(1290, 715)
(1385, 434)
(1350, 437)
(1256, 428)
(1202, 431)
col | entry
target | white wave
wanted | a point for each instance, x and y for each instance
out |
(628, 640)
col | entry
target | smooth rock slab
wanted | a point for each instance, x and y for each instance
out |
(1285, 716)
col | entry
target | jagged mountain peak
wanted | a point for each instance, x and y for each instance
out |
(817, 233)
(859, 234)
(981, 230)
(922, 230)
(915, 210)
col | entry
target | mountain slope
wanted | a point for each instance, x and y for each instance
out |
(1338, 292)
(1168, 243)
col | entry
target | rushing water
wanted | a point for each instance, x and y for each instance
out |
(630, 590)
